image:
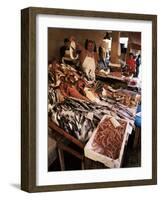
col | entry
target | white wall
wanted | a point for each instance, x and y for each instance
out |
(10, 98)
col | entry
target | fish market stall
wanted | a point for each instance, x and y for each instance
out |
(93, 95)
(81, 115)
(125, 80)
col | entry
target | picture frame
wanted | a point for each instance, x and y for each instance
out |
(29, 96)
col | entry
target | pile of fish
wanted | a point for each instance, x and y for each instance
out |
(79, 118)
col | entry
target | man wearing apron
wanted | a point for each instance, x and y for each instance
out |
(89, 60)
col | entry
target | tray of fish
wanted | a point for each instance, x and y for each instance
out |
(107, 142)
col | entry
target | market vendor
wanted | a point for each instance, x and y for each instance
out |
(89, 60)
(64, 50)
(103, 60)
(131, 64)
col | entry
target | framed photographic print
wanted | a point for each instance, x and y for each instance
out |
(88, 99)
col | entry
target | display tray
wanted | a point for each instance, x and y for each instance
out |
(107, 142)
(114, 75)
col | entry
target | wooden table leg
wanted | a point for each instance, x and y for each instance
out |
(136, 137)
(82, 164)
(61, 159)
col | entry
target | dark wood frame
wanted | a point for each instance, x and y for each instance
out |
(28, 98)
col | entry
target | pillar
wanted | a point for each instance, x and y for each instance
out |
(115, 47)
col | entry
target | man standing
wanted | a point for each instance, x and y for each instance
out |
(138, 63)
(89, 60)
(64, 50)
(131, 63)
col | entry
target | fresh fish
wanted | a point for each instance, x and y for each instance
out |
(72, 115)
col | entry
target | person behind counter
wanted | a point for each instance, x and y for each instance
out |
(89, 60)
(138, 63)
(103, 60)
(64, 50)
(131, 64)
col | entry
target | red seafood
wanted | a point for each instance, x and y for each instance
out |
(108, 139)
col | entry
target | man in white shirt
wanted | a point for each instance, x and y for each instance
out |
(89, 60)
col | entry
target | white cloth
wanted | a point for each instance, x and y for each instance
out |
(72, 49)
(89, 67)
